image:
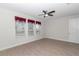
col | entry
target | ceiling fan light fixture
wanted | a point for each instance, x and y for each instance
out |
(46, 15)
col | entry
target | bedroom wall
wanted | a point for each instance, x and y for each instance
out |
(8, 37)
(64, 29)
(74, 29)
(57, 29)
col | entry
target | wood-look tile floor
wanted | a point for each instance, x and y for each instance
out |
(44, 47)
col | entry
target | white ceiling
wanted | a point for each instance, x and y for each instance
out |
(34, 9)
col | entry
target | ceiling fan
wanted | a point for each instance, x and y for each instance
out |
(46, 13)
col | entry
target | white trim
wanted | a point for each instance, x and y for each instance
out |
(1, 49)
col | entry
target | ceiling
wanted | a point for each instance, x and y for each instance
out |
(34, 9)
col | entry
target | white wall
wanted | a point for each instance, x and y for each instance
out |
(74, 29)
(57, 28)
(7, 29)
(65, 29)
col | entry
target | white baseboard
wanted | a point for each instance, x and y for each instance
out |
(25, 42)
(21, 43)
(63, 40)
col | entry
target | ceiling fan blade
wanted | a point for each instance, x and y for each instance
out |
(44, 11)
(52, 11)
(50, 14)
